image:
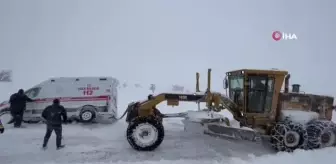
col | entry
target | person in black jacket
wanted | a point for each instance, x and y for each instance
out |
(53, 117)
(2, 129)
(18, 106)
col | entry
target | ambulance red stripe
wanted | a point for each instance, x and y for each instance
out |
(70, 99)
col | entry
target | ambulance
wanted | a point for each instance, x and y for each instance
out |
(86, 99)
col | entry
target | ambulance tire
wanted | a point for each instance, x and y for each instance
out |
(148, 127)
(87, 114)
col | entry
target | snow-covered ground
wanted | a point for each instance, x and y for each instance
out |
(105, 144)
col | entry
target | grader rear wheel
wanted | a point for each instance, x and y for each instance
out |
(145, 133)
(321, 133)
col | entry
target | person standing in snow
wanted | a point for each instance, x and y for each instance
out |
(18, 106)
(2, 129)
(53, 115)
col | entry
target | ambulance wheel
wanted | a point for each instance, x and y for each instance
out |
(87, 114)
(145, 133)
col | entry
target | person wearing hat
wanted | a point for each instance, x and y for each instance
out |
(53, 115)
(18, 106)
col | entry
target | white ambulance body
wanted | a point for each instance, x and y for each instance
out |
(86, 99)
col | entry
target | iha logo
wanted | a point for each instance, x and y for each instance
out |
(277, 36)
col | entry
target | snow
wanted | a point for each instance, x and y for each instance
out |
(197, 116)
(302, 117)
(106, 144)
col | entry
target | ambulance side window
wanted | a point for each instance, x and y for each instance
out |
(33, 92)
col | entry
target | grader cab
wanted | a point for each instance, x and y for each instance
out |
(255, 100)
(259, 94)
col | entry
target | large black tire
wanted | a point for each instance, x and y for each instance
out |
(87, 114)
(321, 133)
(288, 136)
(141, 127)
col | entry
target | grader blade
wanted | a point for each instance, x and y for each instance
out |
(219, 127)
(233, 133)
(214, 125)
(175, 115)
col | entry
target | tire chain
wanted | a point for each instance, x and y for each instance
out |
(279, 130)
(315, 128)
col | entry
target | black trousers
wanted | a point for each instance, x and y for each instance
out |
(58, 132)
(17, 118)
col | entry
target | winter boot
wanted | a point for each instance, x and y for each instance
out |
(60, 147)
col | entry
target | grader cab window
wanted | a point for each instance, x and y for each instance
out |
(260, 94)
(236, 88)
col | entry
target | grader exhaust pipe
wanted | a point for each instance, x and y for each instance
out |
(287, 83)
(197, 82)
(209, 81)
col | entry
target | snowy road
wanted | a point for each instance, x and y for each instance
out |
(106, 144)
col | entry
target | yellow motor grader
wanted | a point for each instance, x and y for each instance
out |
(288, 120)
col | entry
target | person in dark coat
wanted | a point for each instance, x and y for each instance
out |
(53, 115)
(2, 129)
(18, 106)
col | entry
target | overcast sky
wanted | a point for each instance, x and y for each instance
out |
(166, 41)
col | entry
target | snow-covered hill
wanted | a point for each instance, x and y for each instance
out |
(106, 144)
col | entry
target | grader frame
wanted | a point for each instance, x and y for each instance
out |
(254, 99)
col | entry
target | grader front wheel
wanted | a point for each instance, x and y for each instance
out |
(288, 136)
(145, 133)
